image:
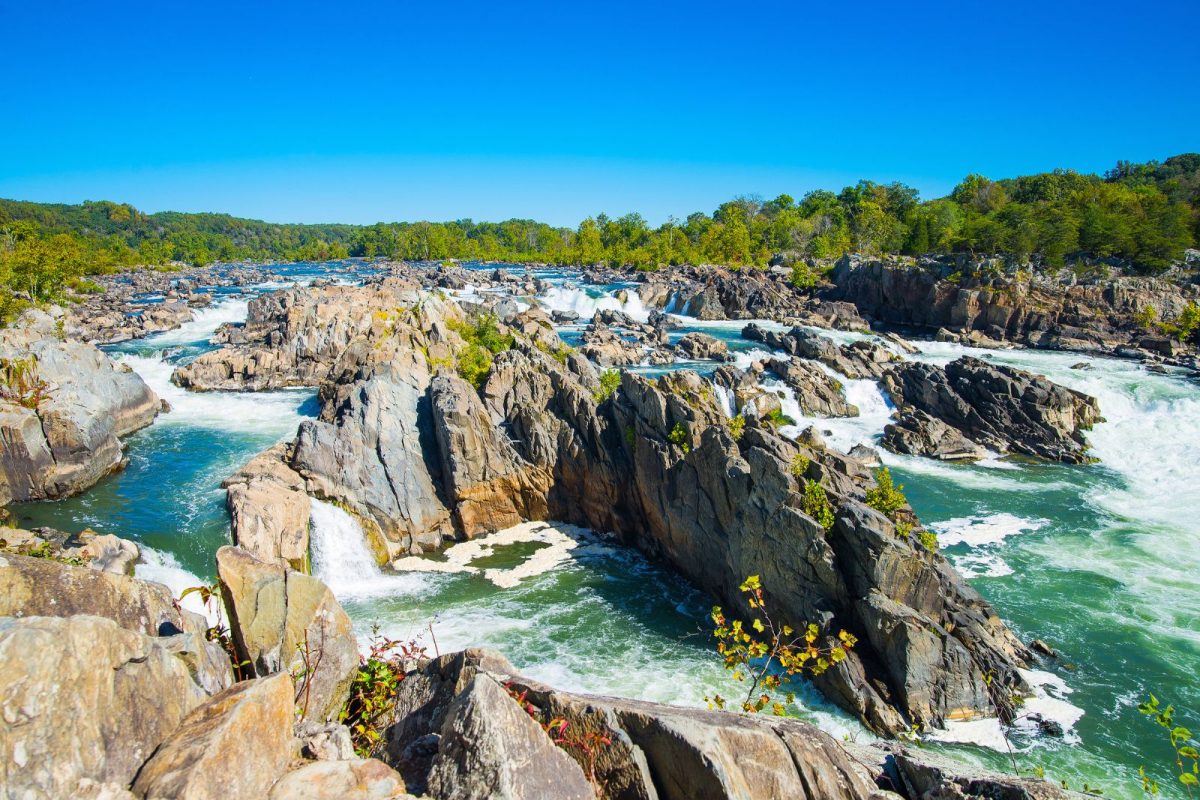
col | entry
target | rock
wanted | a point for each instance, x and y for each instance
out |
(861, 359)
(490, 486)
(702, 347)
(269, 510)
(233, 747)
(928, 776)
(868, 456)
(60, 432)
(564, 317)
(999, 407)
(1044, 311)
(817, 393)
(1038, 646)
(491, 748)
(285, 620)
(325, 741)
(357, 779)
(916, 433)
(85, 699)
(632, 749)
(109, 553)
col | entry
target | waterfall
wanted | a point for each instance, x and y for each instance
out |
(342, 560)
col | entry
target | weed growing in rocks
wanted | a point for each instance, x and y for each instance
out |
(610, 381)
(20, 384)
(679, 436)
(585, 747)
(765, 653)
(210, 596)
(816, 504)
(483, 340)
(374, 689)
(737, 426)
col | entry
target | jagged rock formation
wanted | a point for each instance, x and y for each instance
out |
(422, 460)
(63, 407)
(999, 407)
(702, 347)
(294, 337)
(816, 392)
(861, 359)
(286, 620)
(1039, 312)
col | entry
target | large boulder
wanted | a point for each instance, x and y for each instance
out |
(915, 433)
(269, 510)
(860, 359)
(63, 406)
(86, 700)
(817, 392)
(999, 407)
(489, 485)
(233, 747)
(452, 708)
(701, 346)
(285, 620)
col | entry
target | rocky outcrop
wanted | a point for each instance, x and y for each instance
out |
(1067, 314)
(915, 433)
(636, 750)
(63, 407)
(233, 747)
(294, 337)
(354, 779)
(86, 700)
(702, 347)
(1002, 408)
(488, 484)
(269, 509)
(285, 620)
(817, 393)
(860, 359)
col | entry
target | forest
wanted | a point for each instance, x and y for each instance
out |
(1141, 217)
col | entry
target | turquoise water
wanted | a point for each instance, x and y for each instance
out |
(1098, 560)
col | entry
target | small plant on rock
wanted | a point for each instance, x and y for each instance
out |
(20, 383)
(886, 497)
(765, 654)
(679, 437)
(777, 419)
(219, 632)
(375, 687)
(583, 746)
(610, 381)
(737, 426)
(815, 503)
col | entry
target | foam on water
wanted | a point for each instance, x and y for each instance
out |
(257, 412)
(586, 304)
(983, 530)
(203, 324)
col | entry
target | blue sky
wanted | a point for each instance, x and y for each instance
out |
(356, 112)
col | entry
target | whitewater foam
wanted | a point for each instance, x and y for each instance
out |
(341, 559)
(586, 303)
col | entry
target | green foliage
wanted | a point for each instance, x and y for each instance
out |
(765, 654)
(610, 381)
(886, 496)
(926, 537)
(816, 504)
(800, 464)
(737, 427)
(804, 277)
(1147, 318)
(585, 746)
(1185, 325)
(210, 596)
(482, 340)
(679, 437)
(1183, 747)
(776, 418)
(20, 383)
(374, 689)
(48, 551)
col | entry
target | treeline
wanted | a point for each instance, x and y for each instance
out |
(1139, 215)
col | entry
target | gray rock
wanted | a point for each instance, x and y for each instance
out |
(817, 393)
(356, 779)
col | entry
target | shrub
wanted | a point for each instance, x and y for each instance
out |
(1146, 318)
(374, 689)
(610, 381)
(737, 426)
(886, 496)
(780, 654)
(483, 339)
(474, 364)
(816, 504)
(928, 538)
(777, 419)
(800, 464)
(803, 276)
(20, 383)
(679, 436)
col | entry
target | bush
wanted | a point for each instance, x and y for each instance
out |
(777, 419)
(483, 339)
(20, 383)
(679, 437)
(815, 503)
(886, 497)
(1146, 318)
(776, 657)
(374, 689)
(737, 426)
(610, 381)
(800, 464)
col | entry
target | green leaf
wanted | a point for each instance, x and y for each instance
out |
(1188, 779)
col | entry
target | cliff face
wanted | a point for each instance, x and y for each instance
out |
(1038, 313)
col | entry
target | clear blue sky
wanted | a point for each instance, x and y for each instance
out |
(355, 112)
